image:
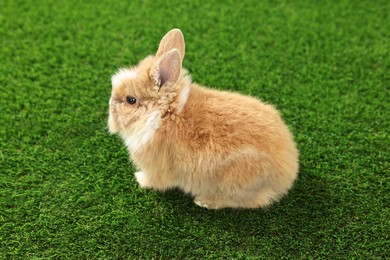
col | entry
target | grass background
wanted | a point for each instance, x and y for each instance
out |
(66, 185)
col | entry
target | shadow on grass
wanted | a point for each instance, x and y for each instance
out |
(303, 214)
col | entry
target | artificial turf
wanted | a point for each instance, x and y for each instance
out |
(66, 185)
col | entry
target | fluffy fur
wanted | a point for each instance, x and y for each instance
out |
(226, 149)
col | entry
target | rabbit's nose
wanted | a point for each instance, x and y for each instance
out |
(111, 102)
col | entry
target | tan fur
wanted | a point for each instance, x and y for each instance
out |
(226, 149)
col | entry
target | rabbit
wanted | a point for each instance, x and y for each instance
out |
(225, 149)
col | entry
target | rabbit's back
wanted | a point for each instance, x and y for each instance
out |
(214, 119)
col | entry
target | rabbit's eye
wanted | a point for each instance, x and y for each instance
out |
(131, 100)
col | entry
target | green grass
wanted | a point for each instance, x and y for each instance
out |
(66, 185)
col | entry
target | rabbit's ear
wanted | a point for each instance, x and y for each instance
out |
(174, 39)
(168, 68)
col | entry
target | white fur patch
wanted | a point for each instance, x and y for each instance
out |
(183, 97)
(140, 137)
(141, 179)
(122, 75)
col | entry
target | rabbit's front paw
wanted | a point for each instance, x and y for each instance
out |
(142, 179)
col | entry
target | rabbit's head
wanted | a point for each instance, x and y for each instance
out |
(141, 95)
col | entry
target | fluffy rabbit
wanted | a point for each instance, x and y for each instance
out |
(225, 149)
